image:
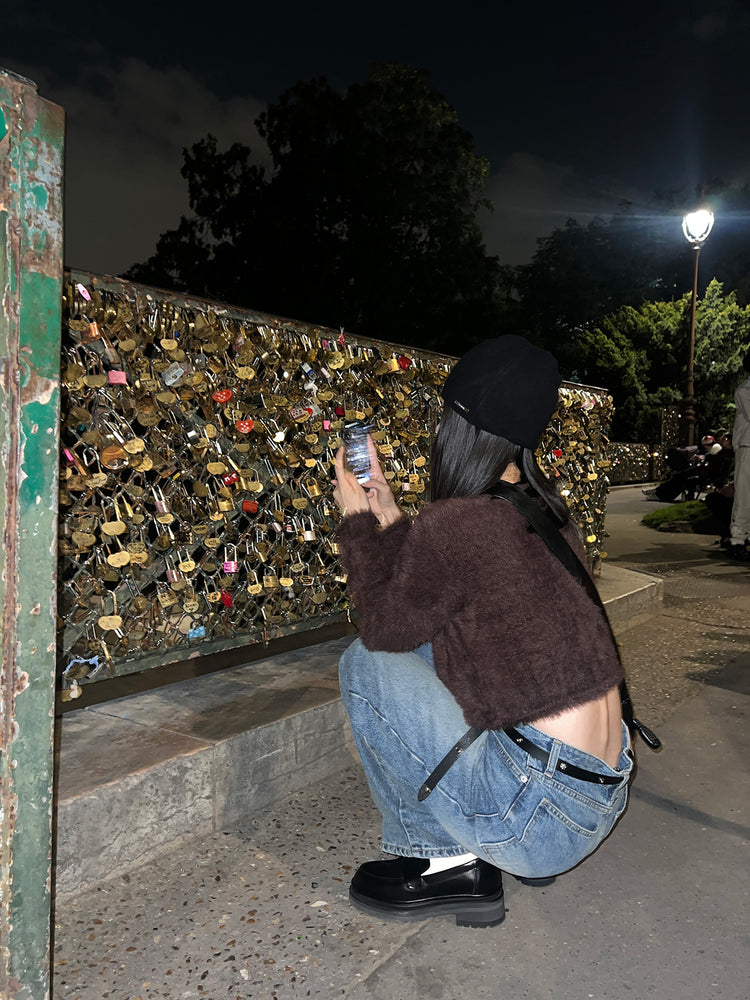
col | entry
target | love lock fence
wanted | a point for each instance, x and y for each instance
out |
(197, 450)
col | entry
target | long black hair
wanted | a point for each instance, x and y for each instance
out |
(467, 461)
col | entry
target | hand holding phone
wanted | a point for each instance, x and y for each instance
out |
(356, 450)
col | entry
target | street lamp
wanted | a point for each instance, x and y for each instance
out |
(696, 227)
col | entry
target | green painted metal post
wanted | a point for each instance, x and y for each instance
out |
(31, 260)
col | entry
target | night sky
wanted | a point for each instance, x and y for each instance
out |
(576, 106)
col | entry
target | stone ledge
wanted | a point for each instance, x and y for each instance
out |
(141, 774)
(630, 597)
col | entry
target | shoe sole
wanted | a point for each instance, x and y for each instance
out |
(536, 882)
(488, 911)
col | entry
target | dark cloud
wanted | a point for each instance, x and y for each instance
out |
(723, 19)
(575, 107)
(125, 132)
(532, 196)
(710, 27)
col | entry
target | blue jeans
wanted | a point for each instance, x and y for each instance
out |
(496, 801)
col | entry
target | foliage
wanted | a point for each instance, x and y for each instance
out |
(722, 337)
(579, 274)
(367, 219)
(611, 299)
(691, 512)
(640, 355)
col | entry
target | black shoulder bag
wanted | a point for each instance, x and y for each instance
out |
(555, 541)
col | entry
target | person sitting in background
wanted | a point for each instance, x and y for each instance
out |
(719, 459)
(719, 499)
(693, 469)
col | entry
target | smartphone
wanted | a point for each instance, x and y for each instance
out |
(356, 452)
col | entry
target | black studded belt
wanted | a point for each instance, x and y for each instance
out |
(572, 770)
(531, 749)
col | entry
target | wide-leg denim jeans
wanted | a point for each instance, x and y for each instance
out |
(496, 801)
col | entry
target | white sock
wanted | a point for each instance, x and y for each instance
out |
(441, 864)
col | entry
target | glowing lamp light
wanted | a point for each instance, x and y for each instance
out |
(697, 226)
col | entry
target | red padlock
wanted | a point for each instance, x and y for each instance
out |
(339, 410)
(230, 478)
(226, 599)
(245, 426)
(222, 395)
(404, 362)
(250, 506)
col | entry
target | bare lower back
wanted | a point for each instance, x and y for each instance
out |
(595, 727)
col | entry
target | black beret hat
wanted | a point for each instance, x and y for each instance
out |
(506, 386)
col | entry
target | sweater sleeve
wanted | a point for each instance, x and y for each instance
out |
(401, 579)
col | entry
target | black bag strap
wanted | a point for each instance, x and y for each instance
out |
(448, 761)
(556, 542)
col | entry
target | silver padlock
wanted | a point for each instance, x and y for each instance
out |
(173, 374)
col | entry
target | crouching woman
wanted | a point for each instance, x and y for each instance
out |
(467, 618)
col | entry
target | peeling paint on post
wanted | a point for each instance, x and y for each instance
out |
(31, 256)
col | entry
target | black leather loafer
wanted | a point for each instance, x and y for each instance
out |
(399, 890)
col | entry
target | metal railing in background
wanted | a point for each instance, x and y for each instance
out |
(634, 463)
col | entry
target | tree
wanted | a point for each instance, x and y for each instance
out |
(367, 219)
(579, 274)
(640, 355)
(722, 337)
(582, 273)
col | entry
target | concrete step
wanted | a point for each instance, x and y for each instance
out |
(630, 597)
(138, 775)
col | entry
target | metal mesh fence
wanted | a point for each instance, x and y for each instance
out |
(197, 444)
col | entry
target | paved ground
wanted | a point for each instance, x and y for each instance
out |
(706, 618)
(259, 912)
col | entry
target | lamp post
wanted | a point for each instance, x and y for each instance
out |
(696, 227)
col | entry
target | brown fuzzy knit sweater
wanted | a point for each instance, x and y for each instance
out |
(515, 637)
